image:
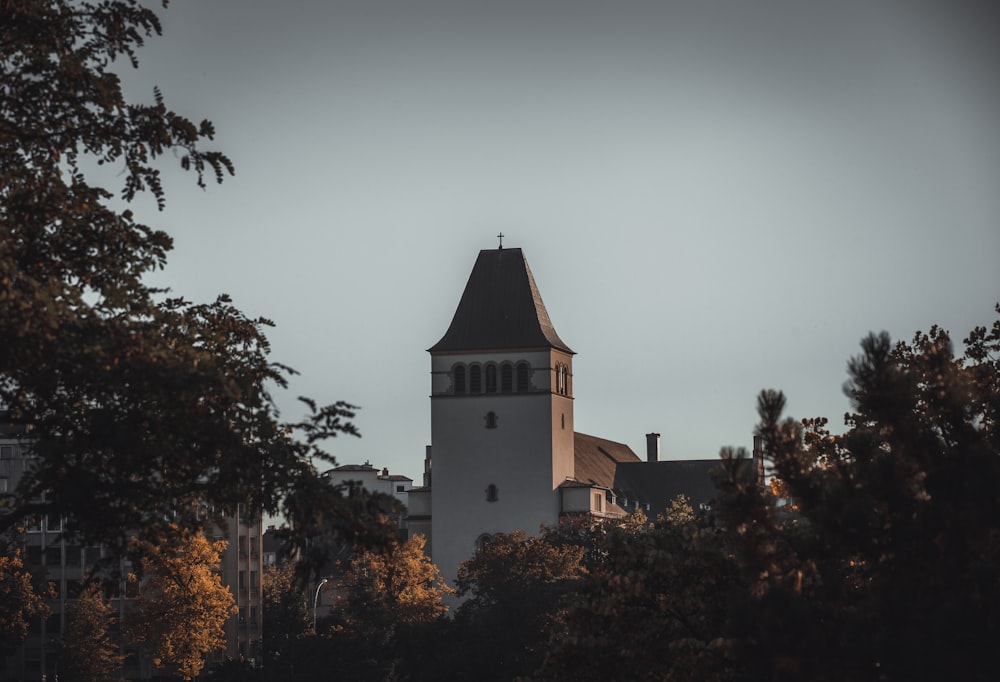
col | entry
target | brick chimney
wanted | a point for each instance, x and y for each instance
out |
(652, 447)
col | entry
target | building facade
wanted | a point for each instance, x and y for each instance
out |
(65, 564)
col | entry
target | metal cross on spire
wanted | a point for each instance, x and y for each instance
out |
(500, 237)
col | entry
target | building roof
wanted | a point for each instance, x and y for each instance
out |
(500, 308)
(658, 483)
(597, 459)
(353, 467)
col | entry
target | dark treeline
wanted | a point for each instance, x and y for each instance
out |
(871, 555)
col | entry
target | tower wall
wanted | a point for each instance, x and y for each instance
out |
(500, 473)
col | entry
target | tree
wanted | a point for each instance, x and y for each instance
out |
(516, 587)
(891, 552)
(873, 558)
(395, 585)
(87, 652)
(387, 616)
(140, 406)
(181, 606)
(654, 607)
(286, 615)
(19, 601)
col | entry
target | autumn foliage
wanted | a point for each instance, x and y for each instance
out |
(181, 606)
(88, 652)
(398, 584)
(19, 601)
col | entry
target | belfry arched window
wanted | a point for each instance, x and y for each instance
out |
(523, 377)
(475, 379)
(491, 378)
(492, 493)
(458, 379)
(506, 378)
(562, 379)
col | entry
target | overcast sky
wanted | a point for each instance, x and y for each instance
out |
(714, 197)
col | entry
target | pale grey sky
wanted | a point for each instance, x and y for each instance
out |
(714, 197)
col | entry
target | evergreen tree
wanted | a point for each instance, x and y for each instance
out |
(887, 566)
(876, 558)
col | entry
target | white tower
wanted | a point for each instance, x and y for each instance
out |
(501, 412)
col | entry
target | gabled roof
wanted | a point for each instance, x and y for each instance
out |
(658, 483)
(597, 459)
(500, 308)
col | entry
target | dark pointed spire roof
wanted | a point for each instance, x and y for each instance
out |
(500, 308)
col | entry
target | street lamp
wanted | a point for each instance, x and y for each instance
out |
(316, 600)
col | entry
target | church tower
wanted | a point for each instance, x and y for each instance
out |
(501, 412)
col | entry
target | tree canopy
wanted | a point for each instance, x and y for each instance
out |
(396, 584)
(879, 560)
(19, 600)
(872, 555)
(87, 651)
(140, 406)
(180, 609)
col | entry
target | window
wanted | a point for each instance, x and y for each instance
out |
(492, 493)
(400, 488)
(523, 377)
(93, 553)
(243, 580)
(475, 379)
(53, 556)
(491, 378)
(73, 555)
(458, 379)
(598, 502)
(483, 540)
(33, 524)
(491, 420)
(53, 624)
(53, 523)
(34, 555)
(253, 615)
(6, 452)
(562, 379)
(506, 378)
(3, 484)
